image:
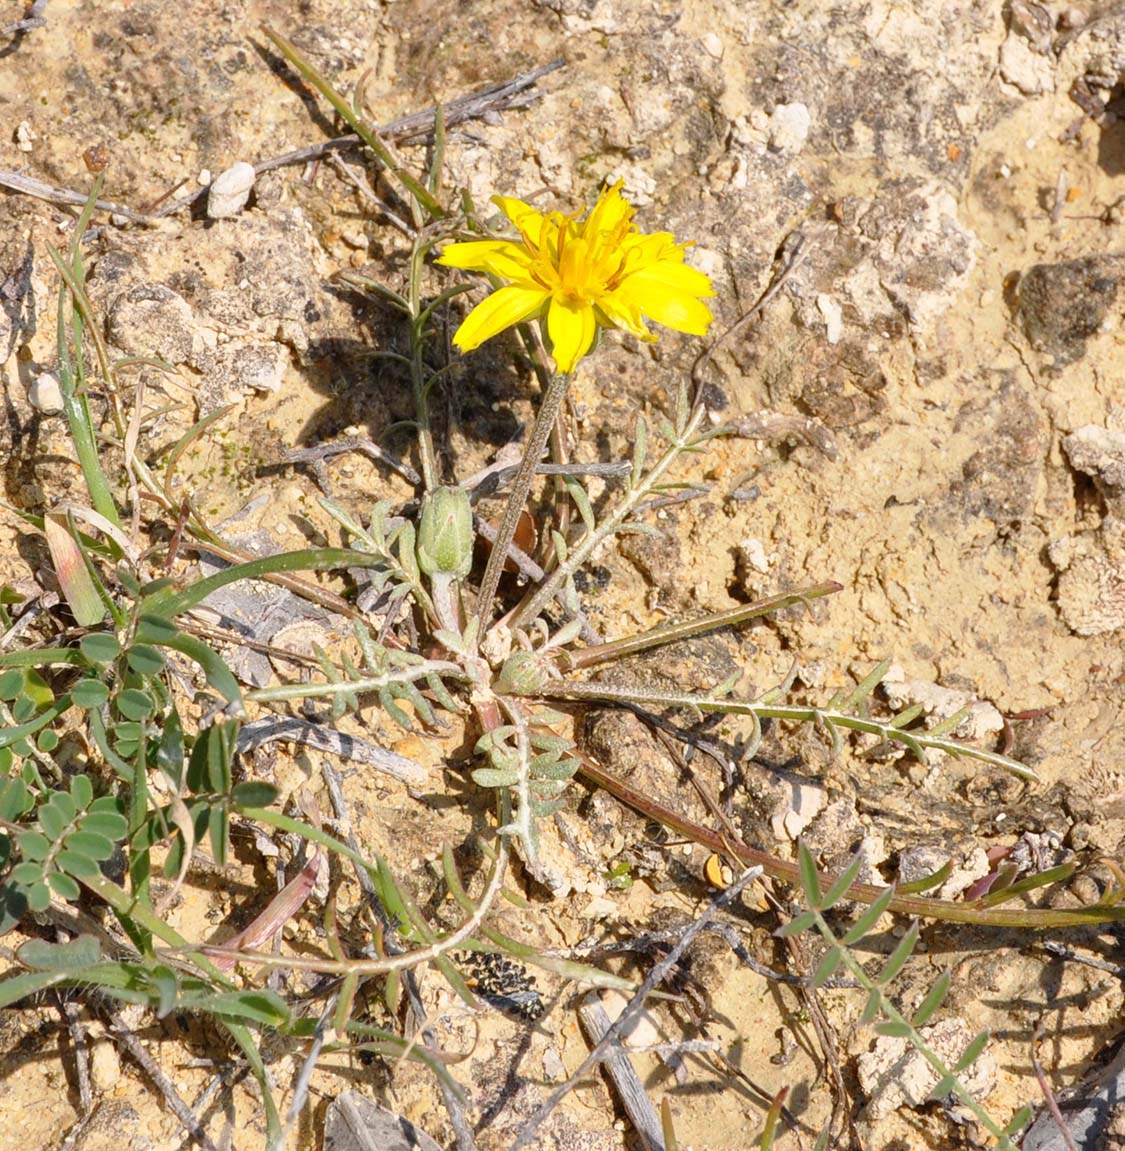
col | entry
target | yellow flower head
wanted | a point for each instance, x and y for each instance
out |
(580, 276)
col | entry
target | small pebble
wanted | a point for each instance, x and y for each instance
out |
(642, 1030)
(45, 394)
(789, 128)
(230, 190)
(105, 1066)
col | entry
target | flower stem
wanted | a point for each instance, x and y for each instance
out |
(426, 455)
(521, 485)
(536, 601)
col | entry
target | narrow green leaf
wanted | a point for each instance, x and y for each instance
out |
(797, 924)
(947, 1085)
(157, 628)
(168, 602)
(893, 1029)
(1029, 883)
(254, 793)
(170, 750)
(164, 983)
(826, 968)
(264, 1007)
(845, 879)
(1019, 1121)
(218, 828)
(871, 915)
(640, 452)
(872, 1007)
(907, 716)
(581, 501)
(810, 879)
(973, 1052)
(950, 724)
(217, 674)
(899, 956)
(866, 686)
(935, 997)
(30, 983)
(928, 882)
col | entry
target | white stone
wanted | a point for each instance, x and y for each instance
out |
(808, 800)
(25, 136)
(1024, 68)
(45, 394)
(105, 1066)
(230, 190)
(894, 1074)
(982, 718)
(712, 45)
(833, 317)
(639, 185)
(789, 128)
(642, 1030)
(754, 554)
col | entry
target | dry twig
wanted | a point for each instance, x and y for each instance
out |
(654, 978)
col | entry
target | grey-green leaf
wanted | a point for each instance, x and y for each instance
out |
(934, 999)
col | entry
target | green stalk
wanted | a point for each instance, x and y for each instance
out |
(545, 420)
(357, 125)
(357, 686)
(914, 740)
(686, 629)
(857, 971)
(426, 454)
(75, 405)
(552, 585)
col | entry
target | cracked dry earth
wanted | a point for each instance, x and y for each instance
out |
(952, 330)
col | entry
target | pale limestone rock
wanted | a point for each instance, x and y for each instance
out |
(230, 190)
(893, 1074)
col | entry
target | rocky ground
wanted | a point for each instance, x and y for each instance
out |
(948, 181)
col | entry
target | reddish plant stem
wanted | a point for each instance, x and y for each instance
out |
(787, 871)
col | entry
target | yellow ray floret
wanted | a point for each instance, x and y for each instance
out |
(578, 276)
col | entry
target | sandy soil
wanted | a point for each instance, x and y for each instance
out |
(930, 155)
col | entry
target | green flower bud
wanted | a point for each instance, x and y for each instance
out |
(445, 533)
(523, 673)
